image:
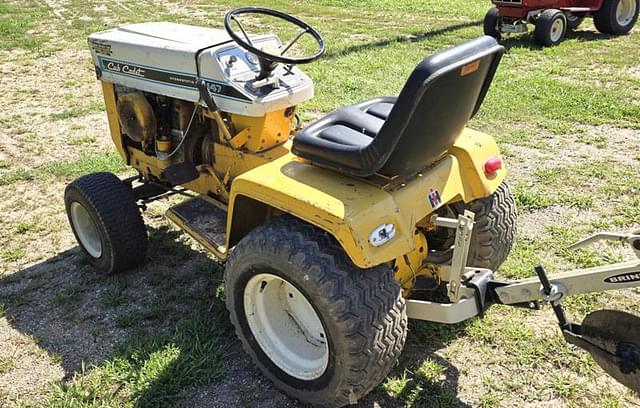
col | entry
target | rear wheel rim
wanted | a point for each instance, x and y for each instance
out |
(625, 11)
(557, 28)
(286, 326)
(86, 229)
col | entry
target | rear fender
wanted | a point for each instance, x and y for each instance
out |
(351, 209)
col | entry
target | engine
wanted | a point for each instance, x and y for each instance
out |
(167, 128)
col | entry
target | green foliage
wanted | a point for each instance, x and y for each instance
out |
(89, 163)
(528, 200)
(17, 23)
(14, 254)
(14, 176)
(152, 370)
(69, 296)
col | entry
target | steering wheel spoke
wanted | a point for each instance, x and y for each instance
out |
(295, 40)
(242, 29)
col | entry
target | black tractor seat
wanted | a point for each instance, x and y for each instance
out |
(401, 136)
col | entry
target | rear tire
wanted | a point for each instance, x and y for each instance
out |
(616, 17)
(106, 222)
(494, 230)
(351, 322)
(491, 21)
(551, 28)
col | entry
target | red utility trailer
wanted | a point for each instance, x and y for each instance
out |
(552, 18)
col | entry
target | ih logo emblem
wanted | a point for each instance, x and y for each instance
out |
(434, 198)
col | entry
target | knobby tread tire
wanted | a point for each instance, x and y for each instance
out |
(605, 19)
(112, 206)
(542, 32)
(362, 309)
(494, 230)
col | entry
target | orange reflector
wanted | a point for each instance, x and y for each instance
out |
(470, 68)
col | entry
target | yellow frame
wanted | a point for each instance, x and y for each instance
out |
(351, 208)
(264, 183)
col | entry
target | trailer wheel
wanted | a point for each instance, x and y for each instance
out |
(106, 222)
(491, 22)
(551, 28)
(574, 21)
(616, 17)
(493, 235)
(323, 330)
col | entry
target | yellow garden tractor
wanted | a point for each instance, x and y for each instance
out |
(333, 234)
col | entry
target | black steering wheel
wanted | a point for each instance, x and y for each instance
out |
(268, 60)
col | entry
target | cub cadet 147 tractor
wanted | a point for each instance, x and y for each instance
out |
(553, 18)
(333, 235)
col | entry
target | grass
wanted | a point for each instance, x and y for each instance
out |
(14, 176)
(18, 22)
(552, 110)
(7, 364)
(15, 254)
(69, 296)
(89, 163)
(77, 112)
(149, 371)
(85, 164)
(81, 140)
(26, 226)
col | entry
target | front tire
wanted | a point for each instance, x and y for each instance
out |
(323, 330)
(616, 17)
(106, 222)
(551, 27)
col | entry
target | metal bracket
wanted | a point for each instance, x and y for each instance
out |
(463, 226)
(632, 239)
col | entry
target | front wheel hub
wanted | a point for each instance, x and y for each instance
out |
(86, 229)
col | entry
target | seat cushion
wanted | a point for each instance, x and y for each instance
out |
(339, 137)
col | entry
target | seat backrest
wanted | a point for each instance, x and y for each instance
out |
(442, 94)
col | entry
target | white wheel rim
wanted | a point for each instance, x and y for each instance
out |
(286, 326)
(557, 29)
(625, 11)
(86, 229)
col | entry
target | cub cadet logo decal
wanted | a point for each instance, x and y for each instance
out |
(623, 278)
(125, 69)
(434, 198)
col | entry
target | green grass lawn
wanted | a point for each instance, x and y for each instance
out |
(567, 120)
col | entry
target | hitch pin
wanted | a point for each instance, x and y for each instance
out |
(552, 294)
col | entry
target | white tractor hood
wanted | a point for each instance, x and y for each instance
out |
(169, 59)
(166, 35)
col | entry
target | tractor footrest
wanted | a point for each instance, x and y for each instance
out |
(205, 221)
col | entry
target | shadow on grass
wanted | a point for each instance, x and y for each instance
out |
(525, 41)
(159, 335)
(413, 37)
(142, 336)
